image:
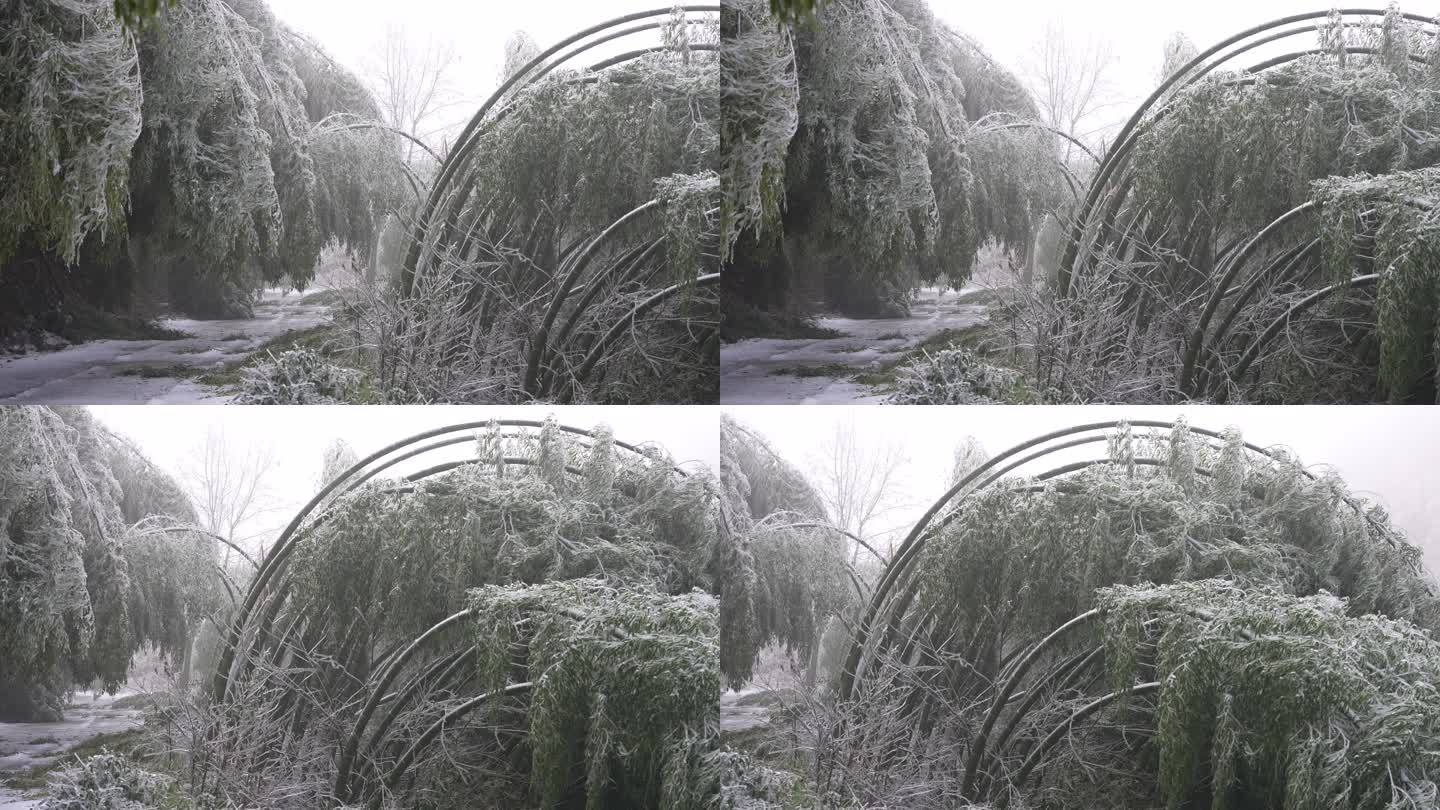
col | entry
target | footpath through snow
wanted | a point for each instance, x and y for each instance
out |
(27, 745)
(748, 367)
(91, 373)
(735, 717)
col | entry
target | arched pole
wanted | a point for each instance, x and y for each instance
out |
(539, 344)
(1231, 269)
(1064, 727)
(285, 545)
(624, 323)
(468, 140)
(1190, 73)
(392, 779)
(1277, 272)
(914, 542)
(392, 669)
(1295, 309)
(977, 749)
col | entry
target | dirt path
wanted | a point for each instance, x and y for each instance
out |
(92, 373)
(27, 745)
(735, 717)
(752, 371)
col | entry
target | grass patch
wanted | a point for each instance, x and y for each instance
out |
(884, 377)
(121, 742)
(983, 295)
(329, 298)
(829, 370)
(179, 372)
(228, 377)
(81, 324)
(139, 700)
(971, 338)
(981, 344)
(769, 697)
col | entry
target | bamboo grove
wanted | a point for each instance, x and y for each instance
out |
(1121, 614)
(175, 162)
(99, 556)
(210, 151)
(534, 623)
(572, 225)
(1261, 229)
(869, 148)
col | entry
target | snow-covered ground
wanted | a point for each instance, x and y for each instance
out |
(89, 373)
(747, 367)
(28, 745)
(734, 717)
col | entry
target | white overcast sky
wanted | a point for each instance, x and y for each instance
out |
(298, 436)
(1135, 31)
(1388, 453)
(353, 30)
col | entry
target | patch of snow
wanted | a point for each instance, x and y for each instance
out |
(735, 718)
(89, 374)
(747, 367)
(28, 745)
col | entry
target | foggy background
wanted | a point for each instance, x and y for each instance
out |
(354, 32)
(1133, 33)
(296, 437)
(1386, 453)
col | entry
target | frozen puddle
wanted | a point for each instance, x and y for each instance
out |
(90, 373)
(27, 745)
(748, 368)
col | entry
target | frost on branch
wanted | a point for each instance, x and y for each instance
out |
(858, 137)
(70, 88)
(82, 584)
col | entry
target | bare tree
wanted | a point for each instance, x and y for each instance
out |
(520, 48)
(969, 455)
(1069, 79)
(1179, 50)
(414, 86)
(857, 481)
(229, 485)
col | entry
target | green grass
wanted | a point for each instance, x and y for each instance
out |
(180, 372)
(324, 297)
(320, 338)
(770, 697)
(228, 377)
(126, 743)
(829, 370)
(978, 339)
(139, 700)
(883, 379)
(121, 742)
